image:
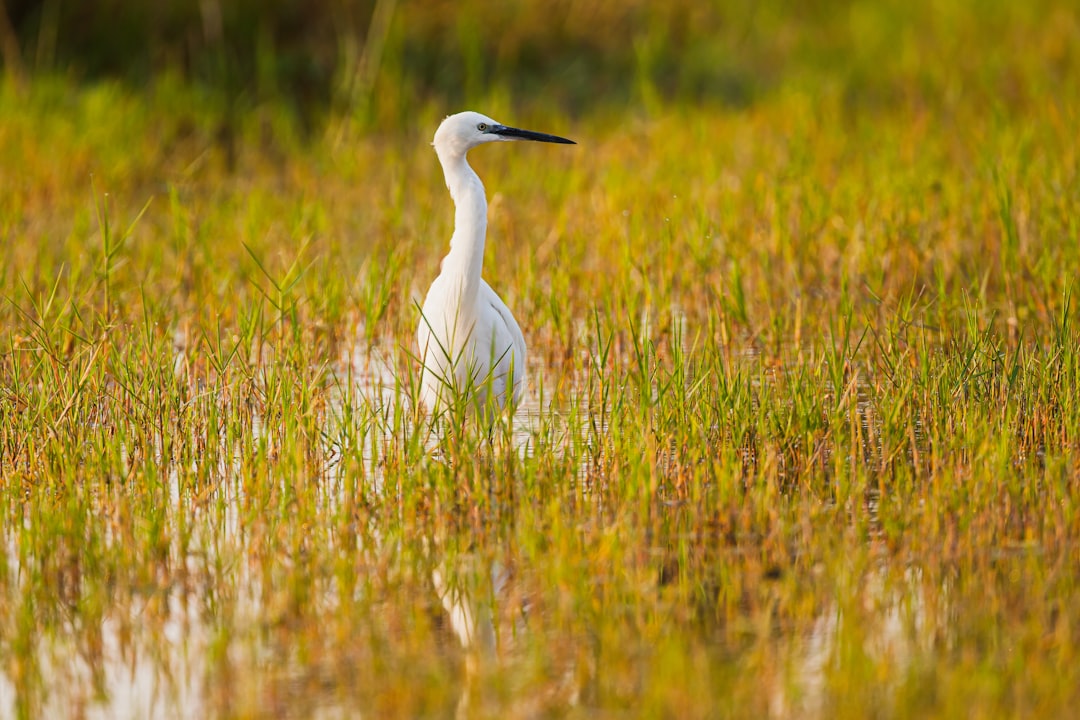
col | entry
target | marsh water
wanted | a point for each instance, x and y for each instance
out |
(447, 623)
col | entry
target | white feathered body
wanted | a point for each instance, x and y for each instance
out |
(467, 337)
(478, 349)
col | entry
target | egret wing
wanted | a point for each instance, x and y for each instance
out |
(506, 342)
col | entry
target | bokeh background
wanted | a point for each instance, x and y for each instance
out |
(383, 60)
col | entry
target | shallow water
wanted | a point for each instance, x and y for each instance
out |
(237, 625)
(149, 658)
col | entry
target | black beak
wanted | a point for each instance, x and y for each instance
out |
(529, 135)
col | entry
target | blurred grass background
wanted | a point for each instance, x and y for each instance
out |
(937, 133)
(383, 60)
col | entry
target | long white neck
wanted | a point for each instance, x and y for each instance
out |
(465, 260)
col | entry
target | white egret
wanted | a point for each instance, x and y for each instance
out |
(469, 341)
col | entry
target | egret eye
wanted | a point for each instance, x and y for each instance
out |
(482, 127)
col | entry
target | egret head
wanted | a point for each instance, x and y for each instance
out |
(462, 132)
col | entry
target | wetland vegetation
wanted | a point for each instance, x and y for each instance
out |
(802, 430)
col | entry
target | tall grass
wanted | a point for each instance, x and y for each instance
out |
(801, 433)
